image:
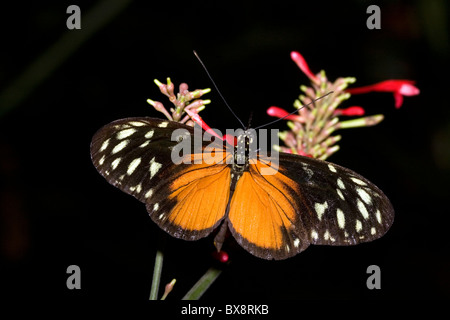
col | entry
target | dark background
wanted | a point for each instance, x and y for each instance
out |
(56, 210)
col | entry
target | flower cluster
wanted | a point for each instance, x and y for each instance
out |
(184, 102)
(319, 112)
(318, 115)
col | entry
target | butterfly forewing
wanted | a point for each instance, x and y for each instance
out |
(131, 153)
(187, 200)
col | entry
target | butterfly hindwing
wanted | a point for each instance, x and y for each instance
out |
(264, 217)
(337, 205)
(191, 202)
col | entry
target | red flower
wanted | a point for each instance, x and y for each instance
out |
(197, 119)
(350, 111)
(281, 113)
(301, 63)
(399, 88)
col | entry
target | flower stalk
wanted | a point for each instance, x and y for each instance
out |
(156, 274)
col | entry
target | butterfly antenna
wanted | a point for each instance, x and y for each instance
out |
(250, 120)
(272, 122)
(217, 89)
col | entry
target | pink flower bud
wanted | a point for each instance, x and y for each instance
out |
(281, 113)
(407, 89)
(301, 63)
(277, 112)
(221, 256)
(183, 89)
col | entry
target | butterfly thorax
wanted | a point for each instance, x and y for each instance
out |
(241, 153)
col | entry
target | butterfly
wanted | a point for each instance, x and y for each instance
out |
(276, 216)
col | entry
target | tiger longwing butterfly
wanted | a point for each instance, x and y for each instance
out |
(307, 201)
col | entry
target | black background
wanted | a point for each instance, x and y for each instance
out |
(56, 210)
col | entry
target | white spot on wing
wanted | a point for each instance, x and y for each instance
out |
(358, 226)
(125, 133)
(148, 194)
(340, 218)
(364, 195)
(296, 242)
(320, 209)
(154, 167)
(362, 209)
(314, 235)
(163, 124)
(139, 188)
(102, 160)
(339, 192)
(104, 145)
(136, 123)
(120, 146)
(327, 236)
(133, 165)
(358, 181)
(378, 216)
(115, 163)
(156, 206)
(373, 231)
(149, 134)
(144, 144)
(340, 184)
(332, 168)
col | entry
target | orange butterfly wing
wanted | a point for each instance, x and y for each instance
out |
(196, 203)
(264, 217)
(193, 201)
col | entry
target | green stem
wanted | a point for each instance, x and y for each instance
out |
(158, 266)
(203, 284)
(156, 274)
